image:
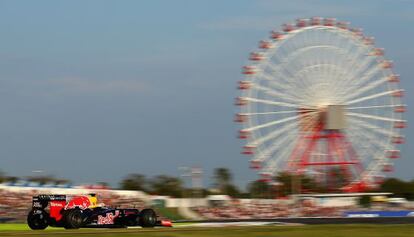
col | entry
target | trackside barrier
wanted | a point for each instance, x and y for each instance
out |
(379, 214)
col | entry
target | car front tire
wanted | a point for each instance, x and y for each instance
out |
(147, 218)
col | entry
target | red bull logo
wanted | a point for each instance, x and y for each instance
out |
(81, 202)
(108, 219)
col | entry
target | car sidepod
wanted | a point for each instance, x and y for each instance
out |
(108, 217)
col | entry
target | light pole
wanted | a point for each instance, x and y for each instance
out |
(196, 175)
(184, 173)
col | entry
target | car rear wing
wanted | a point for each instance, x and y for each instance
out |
(41, 201)
(50, 197)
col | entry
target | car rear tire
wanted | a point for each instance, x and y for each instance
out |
(147, 218)
(38, 219)
(73, 219)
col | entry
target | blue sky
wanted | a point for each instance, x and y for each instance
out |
(93, 90)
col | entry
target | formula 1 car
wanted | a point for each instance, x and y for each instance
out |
(83, 211)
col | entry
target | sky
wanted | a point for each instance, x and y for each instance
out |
(93, 90)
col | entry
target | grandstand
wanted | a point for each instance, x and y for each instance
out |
(15, 203)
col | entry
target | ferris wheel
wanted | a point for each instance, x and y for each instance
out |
(317, 97)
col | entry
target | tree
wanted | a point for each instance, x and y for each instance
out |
(166, 185)
(306, 183)
(223, 181)
(365, 201)
(62, 181)
(44, 179)
(134, 182)
(259, 189)
(399, 188)
(410, 190)
(232, 190)
(337, 178)
(222, 178)
(11, 179)
(2, 177)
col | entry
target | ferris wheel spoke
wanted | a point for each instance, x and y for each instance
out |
(375, 149)
(305, 75)
(278, 68)
(306, 70)
(355, 80)
(266, 153)
(278, 86)
(300, 51)
(281, 71)
(271, 167)
(346, 77)
(270, 78)
(370, 70)
(374, 117)
(371, 127)
(345, 152)
(359, 87)
(367, 128)
(286, 85)
(362, 149)
(366, 88)
(357, 141)
(271, 135)
(360, 130)
(284, 128)
(284, 120)
(274, 112)
(270, 102)
(374, 140)
(371, 152)
(369, 97)
(275, 93)
(374, 107)
(300, 86)
(316, 87)
(361, 65)
(275, 145)
(298, 143)
(360, 60)
(284, 64)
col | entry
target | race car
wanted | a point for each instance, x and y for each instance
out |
(83, 211)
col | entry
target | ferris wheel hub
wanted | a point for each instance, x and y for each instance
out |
(330, 117)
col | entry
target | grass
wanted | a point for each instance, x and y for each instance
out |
(170, 213)
(360, 230)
